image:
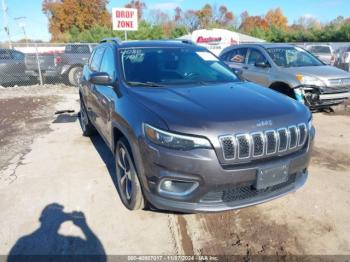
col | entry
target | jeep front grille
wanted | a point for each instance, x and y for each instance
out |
(267, 143)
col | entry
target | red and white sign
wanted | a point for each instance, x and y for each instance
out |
(215, 39)
(125, 19)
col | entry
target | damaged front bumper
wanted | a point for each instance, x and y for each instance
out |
(316, 97)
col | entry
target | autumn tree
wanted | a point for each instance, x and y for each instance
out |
(139, 5)
(250, 23)
(225, 17)
(205, 16)
(309, 22)
(276, 18)
(83, 15)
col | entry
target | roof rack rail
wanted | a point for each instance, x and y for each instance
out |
(111, 39)
(187, 41)
(184, 41)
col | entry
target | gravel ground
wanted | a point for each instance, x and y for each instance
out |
(44, 159)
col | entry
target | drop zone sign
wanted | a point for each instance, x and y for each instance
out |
(125, 19)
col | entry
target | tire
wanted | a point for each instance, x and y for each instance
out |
(128, 183)
(85, 123)
(74, 75)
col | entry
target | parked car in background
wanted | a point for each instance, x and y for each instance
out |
(72, 61)
(343, 58)
(323, 52)
(67, 66)
(48, 66)
(12, 67)
(290, 70)
(187, 134)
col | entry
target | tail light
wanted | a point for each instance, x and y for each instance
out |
(58, 60)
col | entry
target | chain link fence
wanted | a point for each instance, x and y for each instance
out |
(43, 63)
(53, 63)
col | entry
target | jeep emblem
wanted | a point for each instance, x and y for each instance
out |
(264, 123)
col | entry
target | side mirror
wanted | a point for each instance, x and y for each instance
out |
(100, 78)
(262, 64)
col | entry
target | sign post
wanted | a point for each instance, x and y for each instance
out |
(125, 19)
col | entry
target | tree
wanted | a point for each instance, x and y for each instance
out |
(226, 17)
(139, 5)
(308, 22)
(249, 23)
(65, 14)
(205, 16)
(276, 18)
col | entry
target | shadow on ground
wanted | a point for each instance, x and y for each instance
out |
(46, 244)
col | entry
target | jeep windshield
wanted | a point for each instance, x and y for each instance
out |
(156, 67)
(292, 57)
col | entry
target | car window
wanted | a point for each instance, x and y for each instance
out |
(96, 59)
(255, 56)
(173, 66)
(237, 55)
(17, 56)
(292, 57)
(320, 49)
(108, 63)
(5, 55)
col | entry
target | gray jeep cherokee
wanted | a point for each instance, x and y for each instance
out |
(187, 134)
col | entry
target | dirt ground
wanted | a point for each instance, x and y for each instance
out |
(51, 177)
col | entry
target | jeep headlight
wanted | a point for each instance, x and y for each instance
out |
(310, 80)
(174, 141)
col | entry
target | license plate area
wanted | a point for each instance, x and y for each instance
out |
(272, 175)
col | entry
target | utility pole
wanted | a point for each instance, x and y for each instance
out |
(6, 22)
(22, 25)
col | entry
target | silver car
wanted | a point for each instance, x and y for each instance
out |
(290, 70)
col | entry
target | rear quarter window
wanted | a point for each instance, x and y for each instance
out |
(236, 55)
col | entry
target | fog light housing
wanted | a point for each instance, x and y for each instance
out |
(172, 187)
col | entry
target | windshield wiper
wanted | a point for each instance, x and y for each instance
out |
(150, 84)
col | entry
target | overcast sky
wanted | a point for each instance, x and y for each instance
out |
(36, 21)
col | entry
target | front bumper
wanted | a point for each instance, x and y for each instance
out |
(323, 97)
(220, 187)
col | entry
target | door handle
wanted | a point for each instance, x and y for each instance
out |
(245, 67)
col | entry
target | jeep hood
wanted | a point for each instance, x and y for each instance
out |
(223, 107)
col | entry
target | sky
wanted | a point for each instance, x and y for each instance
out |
(37, 24)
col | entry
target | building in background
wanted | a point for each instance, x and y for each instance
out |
(216, 40)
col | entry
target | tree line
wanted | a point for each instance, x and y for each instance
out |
(89, 21)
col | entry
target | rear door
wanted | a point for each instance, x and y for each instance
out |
(106, 94)
(236, 59)
(253, 73)
(91, 94)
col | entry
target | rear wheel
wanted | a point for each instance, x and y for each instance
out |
(128, 183)
(74, 75)
(86, 126)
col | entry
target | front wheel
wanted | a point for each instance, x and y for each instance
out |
(128, 183)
